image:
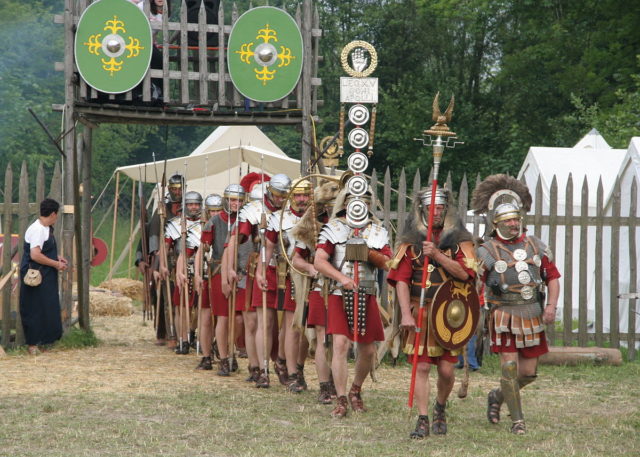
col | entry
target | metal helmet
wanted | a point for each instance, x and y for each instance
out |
(441, 198)
(504, 212)
(256, 193)
(279, 185)
(174, 185)
(302, 187)
(193, 197)
(213, 202)
(232, 191)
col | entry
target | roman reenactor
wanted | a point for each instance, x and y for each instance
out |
(252, 222)
(277, 280)
(451, 261)
(516, 269)
(214, 237)
(186, 230)
(350, 257)
(245, 265)
(171, 207)
(306, 234)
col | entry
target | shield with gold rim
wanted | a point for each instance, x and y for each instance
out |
(454, 313)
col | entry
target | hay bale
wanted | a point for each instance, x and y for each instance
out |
(128, 287)
(103, 302)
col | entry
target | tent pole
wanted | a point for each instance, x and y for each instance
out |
(133, 209)
(113, 229)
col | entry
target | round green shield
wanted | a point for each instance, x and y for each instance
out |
(265, 54)
(113, 46)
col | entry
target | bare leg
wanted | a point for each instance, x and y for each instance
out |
(250, 328)
(222, 332)
(322, 366)
(291, 342)
(446, 379)
(339, 363)
(423, 388)
(364, 362)
(204, 335)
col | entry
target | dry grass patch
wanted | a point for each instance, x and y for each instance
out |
(129, 397)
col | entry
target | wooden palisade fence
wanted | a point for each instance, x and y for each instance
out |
(551, 227)
(16, 217)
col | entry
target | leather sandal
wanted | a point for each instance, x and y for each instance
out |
(223, 368)
(280, 368)
(205, 364)
(493, 407)
(439, 425)
(518, 428)
(254, 374)
(324, 396)
(341, 408)
(292, 384)
(422, 428)
(263, 380)
(300, 373)
(357, 404)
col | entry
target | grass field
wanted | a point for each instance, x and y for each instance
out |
(127, 397)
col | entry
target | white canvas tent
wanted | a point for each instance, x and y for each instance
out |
(629, 169)
(219, 158)
(591, 159)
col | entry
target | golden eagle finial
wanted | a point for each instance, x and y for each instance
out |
(441, 120)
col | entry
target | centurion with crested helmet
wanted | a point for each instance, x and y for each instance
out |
(450, 296)
(516, 268)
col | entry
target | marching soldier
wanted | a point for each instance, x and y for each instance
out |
(340, 256)
(278, 278)
(188, 276)
(249, 222)
(306, 234)
(214, 236)
(451, 255)
(517, 266)
(172, 202)
(246, 262)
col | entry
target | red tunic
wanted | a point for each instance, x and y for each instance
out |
(337, 317)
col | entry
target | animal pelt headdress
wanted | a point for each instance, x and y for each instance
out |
(498, 189)
(308, 227)
(453, 230)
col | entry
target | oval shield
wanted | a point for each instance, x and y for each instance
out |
(113, 46)
(265, 54)
(454, 314)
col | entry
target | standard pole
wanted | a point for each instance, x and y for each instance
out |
(115, 224)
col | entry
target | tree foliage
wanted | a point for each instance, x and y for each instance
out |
(523, 73)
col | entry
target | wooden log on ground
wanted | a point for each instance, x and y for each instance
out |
(574, 355)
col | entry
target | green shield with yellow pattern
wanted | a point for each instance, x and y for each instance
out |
(265, 54)
(113, 46)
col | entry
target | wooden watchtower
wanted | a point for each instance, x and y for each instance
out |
(196, 90)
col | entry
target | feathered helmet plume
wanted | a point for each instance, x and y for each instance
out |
(500, 197)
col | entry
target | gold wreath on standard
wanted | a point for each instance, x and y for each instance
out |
(344, 59)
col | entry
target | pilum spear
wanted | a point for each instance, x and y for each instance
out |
(444, 137)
